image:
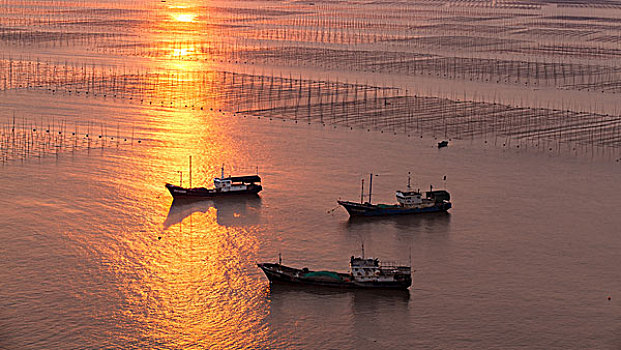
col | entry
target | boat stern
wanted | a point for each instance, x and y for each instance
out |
(446, 205)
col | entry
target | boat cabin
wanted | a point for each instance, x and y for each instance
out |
(364, 269)
(438, 196)
(360, 262)
(370, 270)
(410, 198)
(235, 183)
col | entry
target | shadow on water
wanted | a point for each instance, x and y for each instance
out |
(286, 290)
(431, 222)
(238, 211)
(337, 314)
(348, 318)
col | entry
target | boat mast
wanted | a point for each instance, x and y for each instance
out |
(362, 248)
(362, 192)
(409, 181)
(370, 186)
(222, 169)
(190, 171)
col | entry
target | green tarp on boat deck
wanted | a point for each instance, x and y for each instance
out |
(323, 274)
(387, 206)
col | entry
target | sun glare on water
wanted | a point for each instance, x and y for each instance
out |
(185, 17)
(177, 52)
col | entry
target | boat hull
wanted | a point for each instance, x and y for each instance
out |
(179, 192)
(366, 209)
(276, 273)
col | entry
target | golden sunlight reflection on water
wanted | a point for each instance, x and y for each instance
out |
(185, 17)
(94, 253)
(178, 29)
(191, 287)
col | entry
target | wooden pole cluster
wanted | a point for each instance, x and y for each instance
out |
(23, 139)
(498, 44)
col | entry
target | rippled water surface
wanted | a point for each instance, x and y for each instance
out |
(103, 102)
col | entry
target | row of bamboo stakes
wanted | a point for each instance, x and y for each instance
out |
(470, 41)
(346, 104)
(24, 139)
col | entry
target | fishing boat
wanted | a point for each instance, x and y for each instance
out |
(408, 202)
(364, 273)
(223, 186)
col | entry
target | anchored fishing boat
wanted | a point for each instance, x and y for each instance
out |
(223, 186)
(408, 202)
(364, 273)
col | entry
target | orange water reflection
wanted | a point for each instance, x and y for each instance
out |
(194, 287)
(185, 17)
(180, 30)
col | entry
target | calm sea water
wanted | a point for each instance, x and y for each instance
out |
(94, 256)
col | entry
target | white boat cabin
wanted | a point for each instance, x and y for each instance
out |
(370, 270)
(415, 199)
(225, 185)
(409, 199)
(235, 183)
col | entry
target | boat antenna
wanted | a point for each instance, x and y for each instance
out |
(370, 186)
(362, 192)
(444, 181)
(279, 258)
(362, 248)
(257, 170)
(190, 171)
(409, 180)
(222, 169)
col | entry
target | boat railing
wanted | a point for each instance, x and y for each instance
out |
(393, 265)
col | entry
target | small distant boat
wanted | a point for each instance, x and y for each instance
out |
(408, 202)
(442, 144)
(365, 273)
(223, 186)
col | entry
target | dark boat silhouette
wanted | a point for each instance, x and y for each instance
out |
(408, 202)
(223, 187)
(365, 273)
